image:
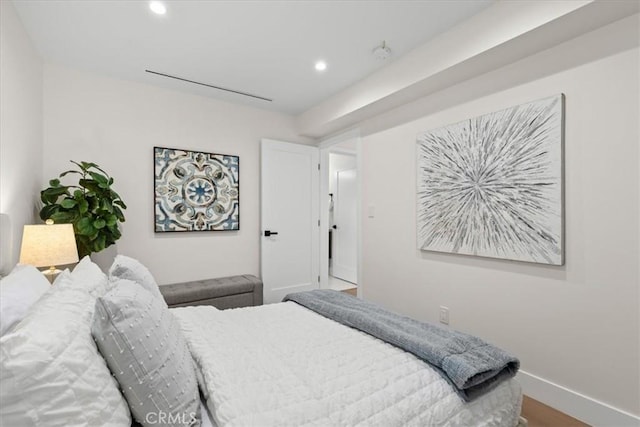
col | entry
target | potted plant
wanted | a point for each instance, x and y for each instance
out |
(94, 209)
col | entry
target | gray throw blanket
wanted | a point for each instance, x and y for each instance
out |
(470, 364)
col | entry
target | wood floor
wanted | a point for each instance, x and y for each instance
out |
(352, 291)
(540, 415)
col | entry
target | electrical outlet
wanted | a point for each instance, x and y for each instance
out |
(444, 315)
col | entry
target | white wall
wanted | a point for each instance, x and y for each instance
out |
(116, 124)
(577, 326)
(20, 128)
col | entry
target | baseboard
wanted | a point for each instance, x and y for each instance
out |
(586, 409)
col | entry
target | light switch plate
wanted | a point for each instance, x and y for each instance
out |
(371, 211)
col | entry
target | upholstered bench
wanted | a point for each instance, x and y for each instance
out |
(223, 292)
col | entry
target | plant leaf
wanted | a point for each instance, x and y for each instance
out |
(61, 217)
(83, 206)
(115, 232)
(98, 168)
(85, 166)
(68, 203)
(112, 220)
(101, 179)
(85, 226)
(118, 213)
(100, 243)
(47, 211)
(106, 205)
(91, 185)
(50, 195)
(94, 202)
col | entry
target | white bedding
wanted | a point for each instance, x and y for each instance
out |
(205, 418)
(282, 364)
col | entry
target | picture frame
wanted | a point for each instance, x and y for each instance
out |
(195, 191)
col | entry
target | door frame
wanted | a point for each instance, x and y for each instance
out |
(325, 147)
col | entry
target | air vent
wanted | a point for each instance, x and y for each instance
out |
(211, 86)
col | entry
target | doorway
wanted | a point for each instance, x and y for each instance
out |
(340, 213)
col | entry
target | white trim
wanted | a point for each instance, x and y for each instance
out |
(336, 139)
(360, 183)
(344, 151)
(324, 218)
(572, 403)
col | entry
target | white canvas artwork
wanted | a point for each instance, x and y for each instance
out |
(492, 185)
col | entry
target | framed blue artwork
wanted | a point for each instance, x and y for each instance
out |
(196, 191)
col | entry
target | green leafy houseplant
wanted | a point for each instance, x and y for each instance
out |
(94, 209)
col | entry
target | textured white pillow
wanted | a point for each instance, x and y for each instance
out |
(89, 277)
(18, 292)
(125, 267)
(144, 347)
(50, 369)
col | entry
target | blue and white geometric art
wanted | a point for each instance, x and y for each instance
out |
(492, 185)
(196, 191)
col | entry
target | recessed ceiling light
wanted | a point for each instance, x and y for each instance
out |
(157, 7)
(321, 66)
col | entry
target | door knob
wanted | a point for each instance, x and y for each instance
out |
(335, 227)
(268, 233)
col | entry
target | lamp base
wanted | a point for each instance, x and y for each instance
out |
(51, 273)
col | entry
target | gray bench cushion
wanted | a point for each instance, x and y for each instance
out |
(223, 292)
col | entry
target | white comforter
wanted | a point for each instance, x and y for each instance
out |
(282, 364)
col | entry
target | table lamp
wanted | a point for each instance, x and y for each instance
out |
(47, 246)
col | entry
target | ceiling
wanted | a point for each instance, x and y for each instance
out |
(265, 48)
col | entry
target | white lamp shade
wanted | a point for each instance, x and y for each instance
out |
(48, 245)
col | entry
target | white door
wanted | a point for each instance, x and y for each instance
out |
(345, 259)
(289, 219)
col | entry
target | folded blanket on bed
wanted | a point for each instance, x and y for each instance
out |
(472, 365)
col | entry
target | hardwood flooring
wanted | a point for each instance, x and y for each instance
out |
(352, 291)
(540, 415)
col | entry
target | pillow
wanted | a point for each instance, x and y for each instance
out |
(87, 277)
(50, 369)
(90, 277)
(144, 347)
(18, 291)
(124, 267)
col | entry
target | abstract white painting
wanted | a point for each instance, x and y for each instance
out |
(492, 185)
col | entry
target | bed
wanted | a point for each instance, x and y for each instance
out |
(273, 365)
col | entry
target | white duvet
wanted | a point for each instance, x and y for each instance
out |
(282, 364)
